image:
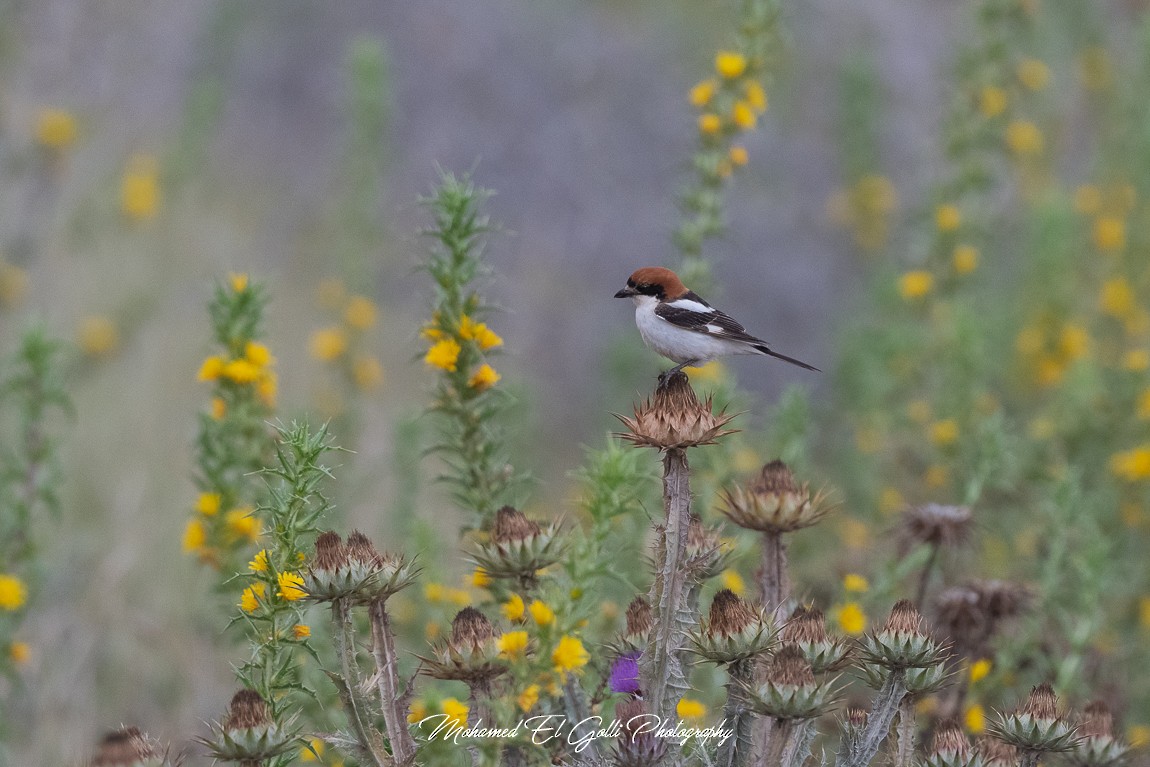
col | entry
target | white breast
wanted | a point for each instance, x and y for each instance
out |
(678, 344)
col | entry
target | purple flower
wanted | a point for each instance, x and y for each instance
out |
(625, 673)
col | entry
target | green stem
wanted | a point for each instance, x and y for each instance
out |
(392, 701)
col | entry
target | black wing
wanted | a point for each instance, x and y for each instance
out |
(712, 322)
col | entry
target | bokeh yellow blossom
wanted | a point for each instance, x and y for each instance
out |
(738, 155)
(916, 284)
(947, 217)
(360, 313)
(541, 613)
(483, 378)
(1109, 233)
(743, 115)
(689, 708)
(444, 354)
(1033, 74)
(980, 669)
(569, 655)
(965, 259)
(194, 536)
(710, 123)
(992, 101)
(243, 524)
(13, 592)
(854, 582)
(1132, 465)
(55, 128)
(851, 619)
(975, 719)
(756, 96)
(19, 653)
(730, 64)
(528, 698)
(1117, 298)
(733, 581)
(140, 188)
(944, 432)
(328, 344)
(514, 609)
(702, 93)
(367, 372)
(1024, 137)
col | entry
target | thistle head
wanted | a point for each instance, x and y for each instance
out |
(1037, 725)
(705, 555)
(972, 614)
(949, 747)
(471, 654)
(519, 547)
(624, 676)
(935, 524)
(775, 502)
(789, 690)
(636, 746)
(807, 631)
(127, 747)
(248, 733)
(354, 570)
(901, 643)
(675, 418)
(732, 631)
(639, 618)
(1098, 747)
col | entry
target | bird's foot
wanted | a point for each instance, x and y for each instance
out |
(667, 376)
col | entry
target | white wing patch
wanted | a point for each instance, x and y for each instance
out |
(688, 305)
(715, 329)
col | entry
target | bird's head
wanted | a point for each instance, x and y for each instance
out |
(654, 281)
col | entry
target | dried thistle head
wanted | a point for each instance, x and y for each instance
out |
(994, 752)
(1037, 725)
(901, 643)
(949, 747)
(971, 614)
(806, 629)
(354, 570)
(247, 732)
(519, 547)
(935, 524)
(789, 690)
(733, 631)
(636, 745)
(512, 525)
(1098, 747)
(705, 555)
(775, 502)
(471, 654)
(675, 418)
(127, 747)
(247, 710)
(640, 617)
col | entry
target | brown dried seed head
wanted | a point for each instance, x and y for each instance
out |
(674, 418)
(330, 553)
(512, 525)
(776, 477)
(729, 614)
(807, 625)
(789, 667)
(1042, 703)
(246, 711)
(699, 537)
(950, 739)
(1097, 721)
(627, 711)
(996, 753)
(1002, 599)
(936, 524)
(470, 628)
(361, 549)
(127, 746)
(856, 717)
(639, 616)
(904, 619)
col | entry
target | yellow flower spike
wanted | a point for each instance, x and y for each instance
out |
(19, 653)
(541, 613)
(1024, 138)
(210, 369)
(259, 563)
(569, 655)
(947, 217)
(851, 619)
(738, 156)
(702, 93)
(314, 753)
(743, 115)
(239, 282)
(756, 96)
(241, 371)
(689, 708)
(513, 644)
(367, 372)
(1117, 298)
(242, 524)
(55, 128)
(417, 712)
(444, 354)
(730, 64)
(513, 609)
(944, 432)
(1109, 233)
(915, 285)
(13, 592)
(710, 124)
(291, 587)
(528, 698)
(855, 583)
(1033, 74)
(484, 378)
(140, 188)
(733, 581)
(456, 712)
(328, 344)
(980, 669)
(992, 101)
(194, 536)
(250, 598)
(258, 354)
(360, 313)
(965, 259)
(301, 631)
(98, 336)
(975, 719)
(208, 504)
(218, 408)
(480, 579)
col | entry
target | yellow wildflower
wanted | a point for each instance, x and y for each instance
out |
(140, 188)
(569, 655)
(743, 115)
(194, 535)
(435, 592)
(992, 101)
(210, 369)
(541, 613)
(250, 598)
(738, 155)
(258, 354)
(980, 669)
(1109, 233)
(1117, 299)
(947, 217)
(208, 504)
(98, 336)
(219, 408)
(1034, 74)
(19, 653)
(458, 597)
(513, 609)
(241, 523)
(238, 281)
(480, 579)
(456, 712)
(688, 708)
(483, 378)
(756, 96)
(851, 618)
(55, 128)
(975, 719)
(301, 631)
(291, 586)
(855, 583)
(241, 371)
(733, 581)
(444, 354)
(730, 64)
(1136, 360)
(965, 259)
(259, 563)
(702, 93)
(1073, 341)
(13, 284)
(528, 698)
(314, 752)
(936, 476)
(916, 284)
(710, 123)
(1024, 137)
(266, 388)
(367, 372)
(13, 592)
(360, 313)
(513, 643)
(328, 344)
(417, 712)
(944, 432)
(1132, 465)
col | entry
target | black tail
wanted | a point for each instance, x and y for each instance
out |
(767, 350)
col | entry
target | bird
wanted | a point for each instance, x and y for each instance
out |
(678, 324)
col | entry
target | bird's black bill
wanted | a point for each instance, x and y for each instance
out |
(626, 293)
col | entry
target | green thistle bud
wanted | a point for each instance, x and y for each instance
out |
(901, 643)
(790, 690)
(471, 654)
(675, 418)
(1037, 726)
(1098, 747)
(732, 631)
(633, 747)
(951, 748)
(389, 572)
(519, 548)
(128, 747)
(807, 631)
(918, 681)
(775, 502)
(247, 733)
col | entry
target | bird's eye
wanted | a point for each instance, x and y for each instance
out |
(630, 283)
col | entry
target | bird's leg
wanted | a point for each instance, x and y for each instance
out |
(664, 378)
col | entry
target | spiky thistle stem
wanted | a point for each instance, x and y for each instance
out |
(359, 719)
(392, 701)
(736, 750)
(904, 753)
(860, 752)
(773, 581)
